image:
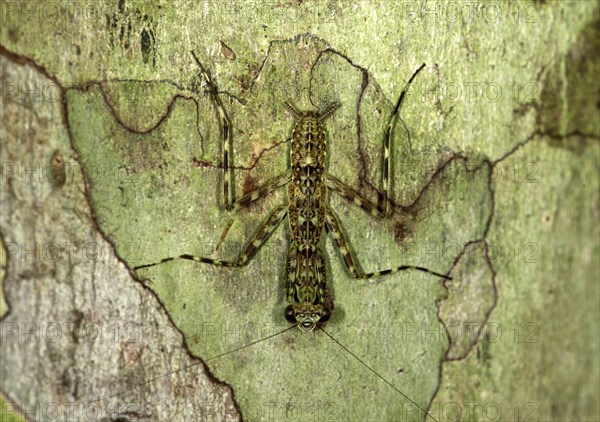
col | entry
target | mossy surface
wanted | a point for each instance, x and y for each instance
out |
(498, 187)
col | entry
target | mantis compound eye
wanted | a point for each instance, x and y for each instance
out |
(325, 315)
(289, 314)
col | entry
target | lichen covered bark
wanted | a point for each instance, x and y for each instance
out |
(498, 187)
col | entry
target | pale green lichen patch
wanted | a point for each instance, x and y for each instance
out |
(542, 319)
(10, 412)
(471, 298)
(139, 105)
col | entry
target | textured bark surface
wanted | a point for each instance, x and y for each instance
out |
(111, 158)
(79, 329)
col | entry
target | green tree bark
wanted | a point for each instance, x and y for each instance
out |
(111, 155)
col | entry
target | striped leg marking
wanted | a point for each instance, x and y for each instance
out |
(380, 210)
(354, 196)
(385, 174)
(226, 128)
(264, 190)
(261, 235)
(335, 229)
